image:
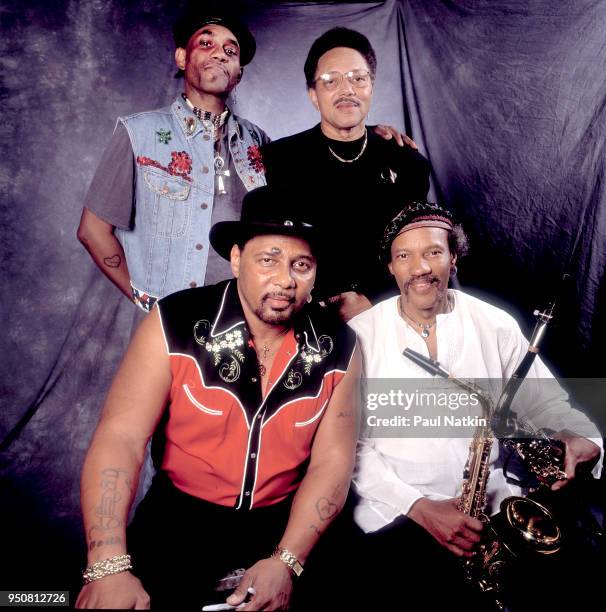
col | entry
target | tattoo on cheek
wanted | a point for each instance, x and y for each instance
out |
(113, 262)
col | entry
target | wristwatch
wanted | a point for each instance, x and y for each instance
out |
(289, 559)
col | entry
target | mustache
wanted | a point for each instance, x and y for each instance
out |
(426, 278)
(346, 99)
(279, 296)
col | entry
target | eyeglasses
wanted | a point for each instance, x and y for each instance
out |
(332, 80)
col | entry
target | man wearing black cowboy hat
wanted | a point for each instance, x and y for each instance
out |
(260, 430)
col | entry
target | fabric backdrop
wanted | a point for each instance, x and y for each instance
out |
(507, 99)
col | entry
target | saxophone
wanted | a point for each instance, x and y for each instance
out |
(542, 456)
(522, 527)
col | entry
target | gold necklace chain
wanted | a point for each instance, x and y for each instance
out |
(357, 157)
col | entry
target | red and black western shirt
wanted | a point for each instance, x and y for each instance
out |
(224, 442)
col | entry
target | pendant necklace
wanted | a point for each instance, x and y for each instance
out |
(357, 157)
(265, 351)
(424, 327)
(213, 123)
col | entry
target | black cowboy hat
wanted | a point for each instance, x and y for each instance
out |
(265, 210)
(197, 15)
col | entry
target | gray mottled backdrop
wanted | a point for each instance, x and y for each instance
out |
(506, 98)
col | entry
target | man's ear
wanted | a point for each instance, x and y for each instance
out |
(453, 261)
(180, 57)
(390, 268)
(313, 96)
(241, 74)
(234, 259)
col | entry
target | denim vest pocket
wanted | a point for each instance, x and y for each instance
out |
(167, 207)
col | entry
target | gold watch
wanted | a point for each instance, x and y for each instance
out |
(289, 559)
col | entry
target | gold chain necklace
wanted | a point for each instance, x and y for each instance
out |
(357, 157)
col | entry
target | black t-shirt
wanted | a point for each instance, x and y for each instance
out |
(351, 203)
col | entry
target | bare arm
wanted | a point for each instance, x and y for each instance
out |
(99, 240)
(319, 499)
(110, 475)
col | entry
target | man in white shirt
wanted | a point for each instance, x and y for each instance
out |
(399, 479)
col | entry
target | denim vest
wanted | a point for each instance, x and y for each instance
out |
(167, 250)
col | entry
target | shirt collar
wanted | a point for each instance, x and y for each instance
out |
(230, 316)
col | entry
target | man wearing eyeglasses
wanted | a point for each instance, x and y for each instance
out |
(359, 171)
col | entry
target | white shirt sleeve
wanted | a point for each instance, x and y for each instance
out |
(376, 480)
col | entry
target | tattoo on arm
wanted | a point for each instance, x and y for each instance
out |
(106, 510)
(326, 509)
(343, 415)
(315, 528)
(107, 541)
(113, 262)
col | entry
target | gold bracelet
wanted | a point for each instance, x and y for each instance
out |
(289, 559)
(107, 567)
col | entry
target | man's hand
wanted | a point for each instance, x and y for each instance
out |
(118, 591)
(452, 528)
(388, 132)
(350, 304)
(581, 454)
(272, 584)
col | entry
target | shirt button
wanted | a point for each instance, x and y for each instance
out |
(253, 455)
(198, 247)
(193, 284)
(247, 493)
(204, 206)
(260, 416)
(205, 169)
(253, 379)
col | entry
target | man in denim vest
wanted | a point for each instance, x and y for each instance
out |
(169, 174)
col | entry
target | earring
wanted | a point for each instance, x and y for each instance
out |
(233, 96)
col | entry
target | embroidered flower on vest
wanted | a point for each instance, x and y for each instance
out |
(255, 159)
(180, 164)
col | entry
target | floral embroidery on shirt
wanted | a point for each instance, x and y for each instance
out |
(255, 159)
(224, 349)
(179, 166)
(308, 358)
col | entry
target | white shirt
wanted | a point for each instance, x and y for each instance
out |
(474, 340)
